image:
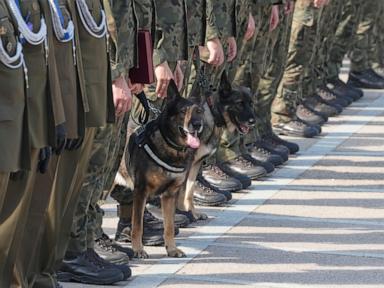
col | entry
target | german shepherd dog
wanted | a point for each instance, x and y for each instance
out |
(230, 108)
(158, 160)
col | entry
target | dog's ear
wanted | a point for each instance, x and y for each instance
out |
(196, 95)
(225, 87)
(172, 92)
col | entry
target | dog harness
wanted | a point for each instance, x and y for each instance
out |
(142, 140)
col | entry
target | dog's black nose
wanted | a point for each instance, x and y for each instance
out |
(197, 125)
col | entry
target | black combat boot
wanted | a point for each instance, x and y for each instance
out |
(243, 166)
(80, 268)
(218, 179)
(205, 195)
(292, 147)
(259, 153)
(105, 241)
(95, 257)
(309, 116)
(366, 79)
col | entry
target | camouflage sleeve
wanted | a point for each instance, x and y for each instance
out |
(222, 20)
(212, 29)
(144, 13)
(171, 32)
(122, 30)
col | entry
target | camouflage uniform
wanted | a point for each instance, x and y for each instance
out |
(363, 38)
(276, 58)
(106, 145)
(300, 52)
(343, 37)
(377, 53)
(256, 61)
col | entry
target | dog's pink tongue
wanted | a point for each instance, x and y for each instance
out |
(193, 141)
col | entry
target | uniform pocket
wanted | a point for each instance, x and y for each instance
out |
(31, 12)
(7, 35)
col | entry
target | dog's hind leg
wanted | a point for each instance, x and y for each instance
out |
(168, 204)
(189, 188)
(139, 201)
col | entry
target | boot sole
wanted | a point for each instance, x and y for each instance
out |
(69, 277)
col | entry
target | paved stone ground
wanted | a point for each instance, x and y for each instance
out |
(316, 222)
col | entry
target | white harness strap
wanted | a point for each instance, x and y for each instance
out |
(160, 162)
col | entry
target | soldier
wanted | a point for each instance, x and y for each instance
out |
(292, 88)
(267, 146)
(91, 34)
(122, 28)
(14, 140)
(46, 114)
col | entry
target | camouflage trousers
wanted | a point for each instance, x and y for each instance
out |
(106, 150)
(270, 80)
(344, 35)
(300, 51)
(253, 61)
(377, 53)
(363, 38)
(327, 26)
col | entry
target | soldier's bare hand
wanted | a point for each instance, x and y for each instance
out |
(216, 52)
(251, 27)
(136, 88)
(275, 18)
(179, 76)
(122, 96)
(232, 49)
(163, 76)
(319, 3)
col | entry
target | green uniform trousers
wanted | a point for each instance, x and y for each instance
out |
(363, 38)
(268, 85)
(300, 51)
(107, 151)
(13, 219)
(343, 37)
(61, 209)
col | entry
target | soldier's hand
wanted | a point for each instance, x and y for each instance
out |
(179, 76)
(61, 138)
(289, 7)
(44, 157)
(136, 88)
(74, 144)
(232, 49)
(122, 96)
(163, 76)
(251, 27)
(216, 52)
(319, 3)
(275, 18)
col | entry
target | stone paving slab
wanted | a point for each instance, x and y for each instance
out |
(317, 222)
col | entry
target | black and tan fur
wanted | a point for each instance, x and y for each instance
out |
(167, 137)
(230, 108)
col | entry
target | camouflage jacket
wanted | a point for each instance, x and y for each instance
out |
(170, 39)
(122, 27)
(221, 19)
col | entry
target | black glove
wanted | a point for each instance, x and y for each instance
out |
(74, 144)
(61, 136)
(44, 157)
(17, 176)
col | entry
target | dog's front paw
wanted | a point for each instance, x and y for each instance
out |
(176, 253)
(141, 254)
(200, 216)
